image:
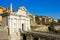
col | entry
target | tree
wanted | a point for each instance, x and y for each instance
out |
(58, 21)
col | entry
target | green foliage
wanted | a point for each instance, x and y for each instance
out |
(58, 31)
(33, 27)
(31, 17)
(58, 20)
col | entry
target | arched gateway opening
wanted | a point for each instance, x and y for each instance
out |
(24, 37)
(36, 38)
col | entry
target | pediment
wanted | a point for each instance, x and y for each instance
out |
(22, 11)
(22, 8)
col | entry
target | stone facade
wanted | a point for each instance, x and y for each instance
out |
(17, 22)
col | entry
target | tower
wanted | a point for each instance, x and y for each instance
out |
(10, 7)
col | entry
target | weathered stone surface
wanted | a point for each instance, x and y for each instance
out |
(3, 33)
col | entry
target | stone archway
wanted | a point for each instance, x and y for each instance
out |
(35, 38)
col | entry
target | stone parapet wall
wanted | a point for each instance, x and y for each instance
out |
(42, 28)
(57, 27)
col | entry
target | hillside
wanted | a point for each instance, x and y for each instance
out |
(41, 23)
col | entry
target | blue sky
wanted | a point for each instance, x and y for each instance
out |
(37, 7)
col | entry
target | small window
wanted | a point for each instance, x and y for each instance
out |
(22, 26)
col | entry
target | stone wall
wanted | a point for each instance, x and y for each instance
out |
(42, 28)
(3, 33)
(57, 27)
